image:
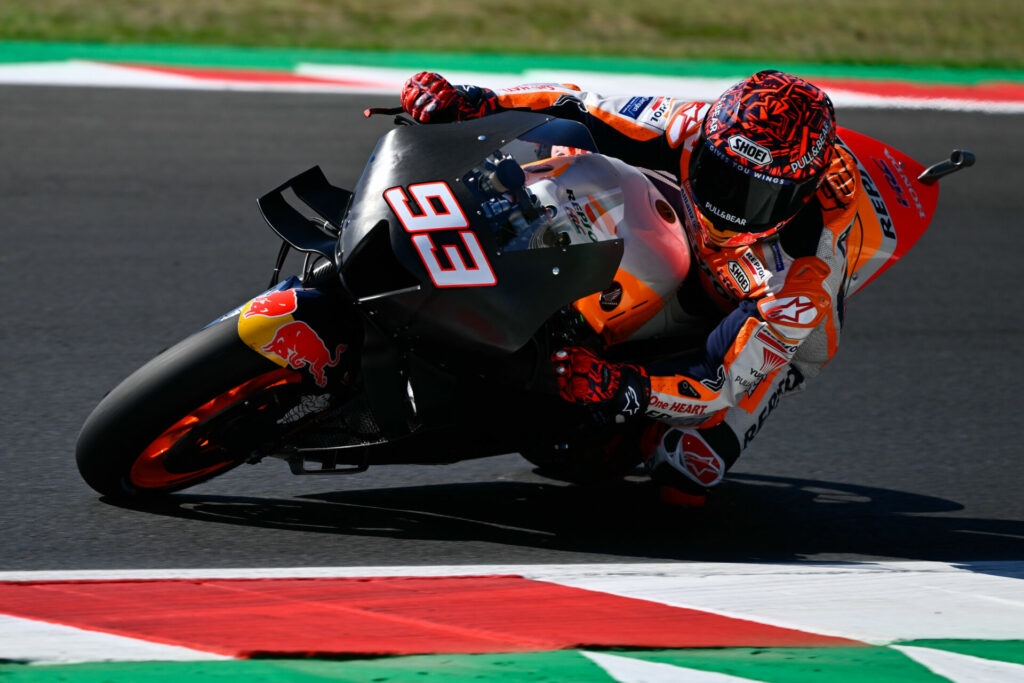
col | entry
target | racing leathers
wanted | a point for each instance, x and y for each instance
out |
(778, 303)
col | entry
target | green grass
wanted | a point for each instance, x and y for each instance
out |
(955, 33)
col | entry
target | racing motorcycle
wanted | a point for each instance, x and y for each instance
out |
(420, 327)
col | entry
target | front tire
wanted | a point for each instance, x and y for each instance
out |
(192, 413)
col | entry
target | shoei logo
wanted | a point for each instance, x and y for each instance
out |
(748, 149)
(736, 270)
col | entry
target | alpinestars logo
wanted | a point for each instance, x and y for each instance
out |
(702, 464)
(792, 310)
(632, 406)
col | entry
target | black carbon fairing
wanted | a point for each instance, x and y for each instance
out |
(443, 274)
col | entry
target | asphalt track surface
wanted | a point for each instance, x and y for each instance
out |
(129, 219)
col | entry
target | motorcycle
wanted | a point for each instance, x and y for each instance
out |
(420, 327)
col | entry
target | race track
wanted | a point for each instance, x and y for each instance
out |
(129, 219)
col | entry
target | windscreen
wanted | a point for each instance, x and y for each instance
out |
(517, 217)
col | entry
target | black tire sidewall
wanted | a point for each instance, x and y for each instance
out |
(156, 396)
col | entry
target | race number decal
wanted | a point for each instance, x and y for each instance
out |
(435, 207)
(430, 207)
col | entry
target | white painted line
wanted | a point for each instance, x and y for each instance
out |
(630, 670)
(963, 668)
(82, 73)
(877, 603)
(384, 81)
(40, 642)
(86, 73)
(703, 89)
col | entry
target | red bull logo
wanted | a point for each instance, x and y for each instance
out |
(273, 304)
(267, 326)
(300, 346)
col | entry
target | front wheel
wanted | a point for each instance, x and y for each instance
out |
(195, 411)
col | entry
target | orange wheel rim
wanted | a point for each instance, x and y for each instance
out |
(150, 469)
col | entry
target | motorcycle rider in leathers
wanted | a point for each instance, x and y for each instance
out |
(768, 199)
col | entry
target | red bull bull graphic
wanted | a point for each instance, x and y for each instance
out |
(268, 325)
(273, 304)
(299, 345)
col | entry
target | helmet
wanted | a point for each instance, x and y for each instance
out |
(761, 155)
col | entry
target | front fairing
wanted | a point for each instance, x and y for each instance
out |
(441, 274)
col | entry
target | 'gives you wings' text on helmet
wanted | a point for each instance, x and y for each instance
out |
(763, 150)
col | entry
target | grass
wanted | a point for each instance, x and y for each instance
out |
(955, 33)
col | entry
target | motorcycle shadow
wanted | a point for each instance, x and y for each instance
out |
(751, 518)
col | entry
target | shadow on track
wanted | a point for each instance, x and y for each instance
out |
(753, 518)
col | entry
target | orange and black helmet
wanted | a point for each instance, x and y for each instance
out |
(763, 150)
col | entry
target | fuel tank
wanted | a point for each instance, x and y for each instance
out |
(595, 198)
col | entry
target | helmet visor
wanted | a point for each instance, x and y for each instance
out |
(742, 200)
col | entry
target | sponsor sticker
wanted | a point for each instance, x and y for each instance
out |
(273, 304)
(635, 106)
(780, 264)
(298, 345)
(739, 277)
(678, 407)
(790, 310)
(901, 170)
(702, 464)
(684, 120)
(656, 114)
(774, 354)
(611, 297)
(750, 150)
(785, 384)
(632, 406)
(890, 179)
(755, 267)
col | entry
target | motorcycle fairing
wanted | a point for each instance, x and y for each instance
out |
(297, 328)
(313, 190)
(496, 315)
(621, 309)
(894, 212)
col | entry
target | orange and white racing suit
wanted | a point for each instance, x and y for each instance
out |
(779, 303)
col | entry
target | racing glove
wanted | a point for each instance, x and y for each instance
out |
(430, 98)
(618, 391)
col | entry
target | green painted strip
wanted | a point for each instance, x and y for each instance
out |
(281, 58)
(1000, 650)
(772, 665)
(564, 665)
(798, 665)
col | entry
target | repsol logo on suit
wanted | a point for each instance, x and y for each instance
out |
(786, 383)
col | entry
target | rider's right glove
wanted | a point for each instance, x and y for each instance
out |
(618, 391)
(430, 98)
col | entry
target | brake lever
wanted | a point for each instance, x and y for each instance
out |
(398, 112)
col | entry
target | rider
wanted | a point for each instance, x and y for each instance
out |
(768, 200)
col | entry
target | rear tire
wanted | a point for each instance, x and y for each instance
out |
(188, 415)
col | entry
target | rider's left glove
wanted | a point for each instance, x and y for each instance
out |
(430, 98)
(618, 391)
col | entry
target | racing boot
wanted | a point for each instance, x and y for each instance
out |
(681, 463)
